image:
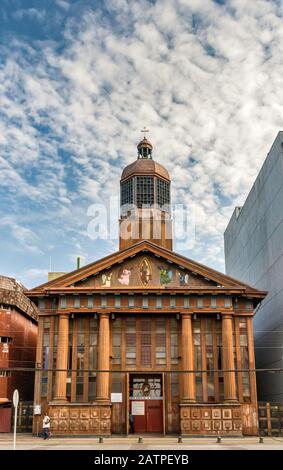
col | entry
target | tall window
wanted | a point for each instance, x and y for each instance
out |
(55, 345)
(207, 333)
(127, 192)
(163, 193)
(220, 359)
(174, 341)
(130, 342)
(116, 341)
(197, 349)
(145, 191)
(145, 342)
(70, 357)
(80, 360)
(244, 359)
(93, 327)
(209, 359)
(45, 356)
(160, 352)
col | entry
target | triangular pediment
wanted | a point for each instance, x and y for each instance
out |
(144, 265)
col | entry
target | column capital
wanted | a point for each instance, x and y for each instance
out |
(227, 316)
(63, 315)
(186, 315)
(103, 314)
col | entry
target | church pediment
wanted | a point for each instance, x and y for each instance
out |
(145, 270)
(144, 265)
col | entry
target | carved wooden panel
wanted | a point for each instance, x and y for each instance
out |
(84, 425)
(80, 419)
(196, 425)
(74, 414)
(216, 414)
(211, 420)
(227, 425)
(84, 413)
(63, 413)
(237, 425)
(216, 425)
(94, 413)
(74, 425)
(94, 424)
(227, 414)
(63, 425)
(185, 413)
(206, 413)
(237, 414)
(195, 413)
(206, 425)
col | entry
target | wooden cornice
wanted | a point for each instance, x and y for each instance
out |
(200, 290)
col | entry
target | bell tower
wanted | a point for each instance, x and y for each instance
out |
(145, 212)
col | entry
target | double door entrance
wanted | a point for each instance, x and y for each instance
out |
(146, 404)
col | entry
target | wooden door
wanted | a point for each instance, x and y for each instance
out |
(152, 420)
(154, 416)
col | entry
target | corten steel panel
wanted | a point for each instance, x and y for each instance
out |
(5, 419)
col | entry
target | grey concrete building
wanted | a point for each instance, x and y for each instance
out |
(254, 253)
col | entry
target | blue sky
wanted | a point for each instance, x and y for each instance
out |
(79, 79)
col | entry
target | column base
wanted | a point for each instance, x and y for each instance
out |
(231, 401)
(58, 401)
(188, 401)
(103, 401)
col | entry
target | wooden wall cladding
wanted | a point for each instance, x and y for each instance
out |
(80, 419)
(211, 419)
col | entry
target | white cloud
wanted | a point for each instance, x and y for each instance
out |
(206, 79)
(31, 13)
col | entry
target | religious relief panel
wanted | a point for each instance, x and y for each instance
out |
(106, 279)
(165, 275)
(145, 271)
(183, 279)
(124, 275)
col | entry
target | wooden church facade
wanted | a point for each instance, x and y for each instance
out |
(146, 340)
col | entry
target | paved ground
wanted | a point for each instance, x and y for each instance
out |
(26, 441)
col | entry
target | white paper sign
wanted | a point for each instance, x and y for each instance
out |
(116, 397)
(138, 408)
(37, 410)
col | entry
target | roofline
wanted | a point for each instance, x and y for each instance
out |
(135, 289)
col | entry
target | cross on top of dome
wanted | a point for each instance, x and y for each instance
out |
(145, 146)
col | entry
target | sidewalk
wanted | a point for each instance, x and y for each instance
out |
(29, 442)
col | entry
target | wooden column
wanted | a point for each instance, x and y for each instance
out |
(230, 394)
(102, 386)
(189, 387)
(62, 358)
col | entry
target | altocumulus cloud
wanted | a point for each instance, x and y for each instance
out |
(205, 76)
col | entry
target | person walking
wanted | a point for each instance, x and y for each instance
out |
(46, 426)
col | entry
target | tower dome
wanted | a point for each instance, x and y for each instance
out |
(145, 165)
(145, 196)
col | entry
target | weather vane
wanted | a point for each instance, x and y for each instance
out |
(144, 130)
